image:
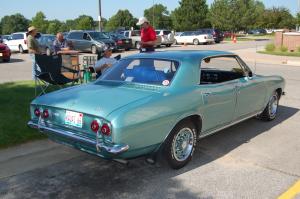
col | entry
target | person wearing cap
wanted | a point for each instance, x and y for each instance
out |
(105, 62)
(33, 48)
(148, 35)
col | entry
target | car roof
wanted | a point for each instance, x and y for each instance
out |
(19, 33)
(180, 55)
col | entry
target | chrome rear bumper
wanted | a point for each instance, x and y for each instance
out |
(114, 149)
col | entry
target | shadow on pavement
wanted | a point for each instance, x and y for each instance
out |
(87, 176)
(12, 60)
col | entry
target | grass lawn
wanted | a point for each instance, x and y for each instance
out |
(15, 98)
(279, 53)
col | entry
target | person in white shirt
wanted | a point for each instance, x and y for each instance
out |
(105, 62)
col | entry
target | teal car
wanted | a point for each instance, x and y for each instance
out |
(157, 103)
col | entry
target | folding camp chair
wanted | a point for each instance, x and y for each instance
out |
(51, 73)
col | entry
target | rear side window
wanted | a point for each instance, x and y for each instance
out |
(17, 36)
(75, 35)
(166, 32)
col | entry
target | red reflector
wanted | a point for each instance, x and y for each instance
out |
(95, 126)
(37, 112)
(45, 113)
(105, 130)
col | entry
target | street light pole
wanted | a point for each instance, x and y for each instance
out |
(153, 13)
(100, 16)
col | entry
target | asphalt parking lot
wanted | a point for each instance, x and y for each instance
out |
(253, 159)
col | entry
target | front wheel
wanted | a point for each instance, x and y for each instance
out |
(94, 49)
(48, 52)
(270, 111)
(180, 145)
(196, 42)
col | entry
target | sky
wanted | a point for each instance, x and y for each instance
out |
(71, 9)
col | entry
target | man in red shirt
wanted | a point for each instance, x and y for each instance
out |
(148, 35)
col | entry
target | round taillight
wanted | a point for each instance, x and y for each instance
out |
(37, 112)
(95, 126)
(45, 113)
(105, 130)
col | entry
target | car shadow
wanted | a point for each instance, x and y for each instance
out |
(88, 176)
(12, 60)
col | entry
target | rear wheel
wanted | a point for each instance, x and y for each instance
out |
(180, 145)
(168, 45)
(21, 50)
(270, 111)
(196, 42)
(94, 49)
(137, 45)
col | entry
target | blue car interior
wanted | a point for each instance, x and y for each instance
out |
(145, 74)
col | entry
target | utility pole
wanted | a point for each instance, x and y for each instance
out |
(153, 13)
(298, 25)
(100, 16)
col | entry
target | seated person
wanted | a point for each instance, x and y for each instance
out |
(60, 43)
(104, 63)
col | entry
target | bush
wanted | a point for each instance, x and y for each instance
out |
(283, 49)
(270, 47)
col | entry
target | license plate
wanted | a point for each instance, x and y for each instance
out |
(73, 119)
(126, 41)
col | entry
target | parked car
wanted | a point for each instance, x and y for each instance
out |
(157, 103)
(259, 31)
(46, 44)
(167, 37)
(122, 42)
(178, 33)
(18, 42)
(5, 52)
(135, 35)
(194, 37)
(90, 41)
(216, 33)
(4, 38)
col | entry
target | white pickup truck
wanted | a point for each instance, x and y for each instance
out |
(135, 36)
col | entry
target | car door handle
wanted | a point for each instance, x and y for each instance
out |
(207, 94)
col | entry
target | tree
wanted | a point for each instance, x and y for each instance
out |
(84, 22)
(70, 24)
(14, 23)
(122, 19)
(39, 21)
(54, 26)
(235, 15)
(190, 15)
(278, 17)
(159, 16)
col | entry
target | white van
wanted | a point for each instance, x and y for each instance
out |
(18, 42)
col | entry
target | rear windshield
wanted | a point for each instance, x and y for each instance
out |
(17, 36)
(145, 71)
